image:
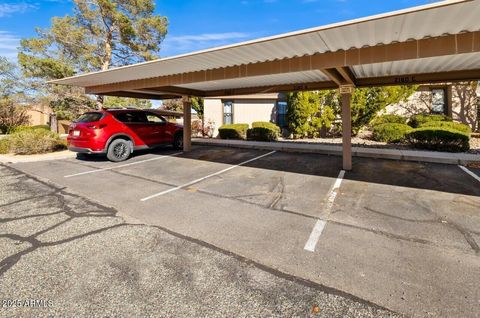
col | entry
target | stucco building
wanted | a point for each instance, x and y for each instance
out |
(459, 101)
(39, 114)
(245, 109)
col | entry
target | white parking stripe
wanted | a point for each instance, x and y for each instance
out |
(470, 173)
(206, 177)
(320, 225)
(315, 236)
(121, 166)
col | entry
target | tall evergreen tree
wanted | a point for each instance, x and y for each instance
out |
(310, 111)
(99, 35)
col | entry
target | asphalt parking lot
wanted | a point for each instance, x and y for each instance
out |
(398, 235)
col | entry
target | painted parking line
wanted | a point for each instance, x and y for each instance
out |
(320, 225)
(470, 173)
(121, 166)
(206, 177)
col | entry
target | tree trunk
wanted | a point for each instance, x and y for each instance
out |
(53, 123)
(323, 131)
(100, 100)
(105, 65)
(108, 54)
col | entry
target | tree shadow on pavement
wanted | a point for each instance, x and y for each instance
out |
(68, 208)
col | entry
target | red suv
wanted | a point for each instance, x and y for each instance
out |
(117, 133)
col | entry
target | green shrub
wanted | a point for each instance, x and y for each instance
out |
(439, 139)
(45, 127)
(4, 146)
(448, 124)
(390, 132)
(417, 120)
(389, 119)
(266, 124)
(233, 131)
(262, 134)
(34, 141)
(24, 128)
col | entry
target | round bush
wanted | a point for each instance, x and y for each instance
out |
(417, 120)
(266, 124)
(449, 125)
(390, 132)
(34, 141)
(233, 131)
(262, 134)
(389, 119)
(439, 139)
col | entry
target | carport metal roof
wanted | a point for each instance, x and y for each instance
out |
(431, 43)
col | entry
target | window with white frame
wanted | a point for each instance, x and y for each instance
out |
(227, 112)
(282, 114)
(439, 101)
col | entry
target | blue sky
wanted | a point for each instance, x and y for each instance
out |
(200, 24)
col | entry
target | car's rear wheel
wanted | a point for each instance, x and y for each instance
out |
(178, 141)
(119, 150)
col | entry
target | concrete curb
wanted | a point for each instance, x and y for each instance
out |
(336, 150)
(34, 158)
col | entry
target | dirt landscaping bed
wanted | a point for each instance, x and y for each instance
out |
(368, 143)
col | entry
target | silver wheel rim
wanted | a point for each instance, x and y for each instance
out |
(120, 151)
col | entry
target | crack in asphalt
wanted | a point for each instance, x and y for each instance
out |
(279, 195)
(438, 220)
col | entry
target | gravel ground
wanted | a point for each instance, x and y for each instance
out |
(77, 258)
(475, 145)
(368, 143)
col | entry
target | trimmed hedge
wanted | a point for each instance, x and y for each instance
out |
(439, 139)
(24, 128)
(33, 141)
(262, 134)
(266, 124)
(390, 132)
(417, 120)
(46, 127)
(449, 125)
(389, 119)
(233, 131)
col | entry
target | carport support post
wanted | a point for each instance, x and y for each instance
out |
(346, 91)
(187, 124)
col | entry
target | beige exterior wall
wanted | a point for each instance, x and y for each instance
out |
(245, 110)
(213, 113)
(462, 101)
(465, 105)
(249, 111)
(39, 114)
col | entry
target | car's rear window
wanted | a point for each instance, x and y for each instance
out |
(89, 117)
(132, 117)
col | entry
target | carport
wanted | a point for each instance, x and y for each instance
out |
(433, 43)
